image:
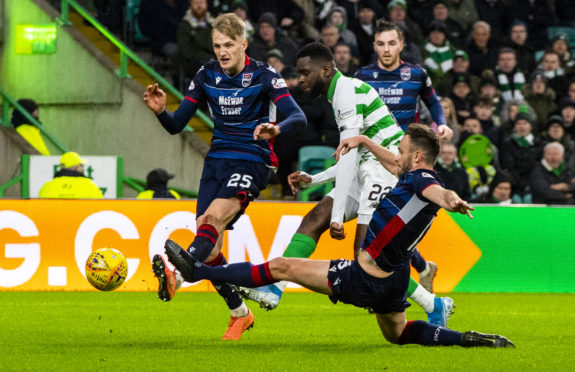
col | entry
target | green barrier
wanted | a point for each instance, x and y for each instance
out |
(524, 249)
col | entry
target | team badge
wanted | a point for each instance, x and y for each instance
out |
(375, 74)
(246, 79)
(279, 83)
(405, 73)
(192, 86)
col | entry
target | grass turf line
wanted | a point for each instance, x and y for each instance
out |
(95, 331)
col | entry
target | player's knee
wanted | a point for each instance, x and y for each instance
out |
(280, 267)
(208, 219)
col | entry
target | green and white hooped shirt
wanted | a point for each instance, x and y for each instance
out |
(357, 105)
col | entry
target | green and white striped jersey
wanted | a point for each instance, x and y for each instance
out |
(357, 105)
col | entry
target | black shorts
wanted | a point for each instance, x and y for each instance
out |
(226, 178)
(350, 284)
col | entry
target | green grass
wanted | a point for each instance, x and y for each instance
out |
(121, 331)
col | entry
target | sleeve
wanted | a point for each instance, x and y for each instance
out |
(343, 178)
(344, 106)
(175, 122)
(422, 180)
(428, 95)
(281, 97)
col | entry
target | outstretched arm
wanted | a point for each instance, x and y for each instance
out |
(447, 199)
(155, 99)
(387, 158)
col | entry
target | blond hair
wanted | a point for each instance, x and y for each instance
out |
(230, 25)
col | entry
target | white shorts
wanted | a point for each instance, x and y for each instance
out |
(371, 184)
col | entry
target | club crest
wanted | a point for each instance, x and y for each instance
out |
(405, 73)
(246, 79)
(375, 74)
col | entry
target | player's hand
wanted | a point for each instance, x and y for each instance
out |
(155, 98)
(336, 231)
(266, 131)
(444, 132)
(461, 206)
(346, 145)
(297, 180)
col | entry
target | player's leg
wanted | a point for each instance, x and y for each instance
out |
(438, 309)
(302, 245)
(397, 330)
(426, 269)
(311, 274)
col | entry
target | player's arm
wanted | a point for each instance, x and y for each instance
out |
(447, 199)
(387, 158)
(428, 95)
(294, 117)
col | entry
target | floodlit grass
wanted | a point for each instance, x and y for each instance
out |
(79, 331)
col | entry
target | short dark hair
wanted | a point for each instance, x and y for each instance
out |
(316, 51)
(382, 26)
(507, 50)
(423, 138)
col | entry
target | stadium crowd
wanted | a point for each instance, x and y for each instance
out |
(504, 71)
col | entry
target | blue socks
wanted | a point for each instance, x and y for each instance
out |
(423, 333)
(244, 274)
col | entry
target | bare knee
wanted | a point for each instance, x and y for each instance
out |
(392, 326)
(280, 268)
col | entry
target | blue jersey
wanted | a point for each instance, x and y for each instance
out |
(400, 89)
(238, 104)
(401, 220)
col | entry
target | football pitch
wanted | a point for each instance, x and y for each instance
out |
(124, 331)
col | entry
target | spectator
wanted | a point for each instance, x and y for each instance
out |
(195, 38)
(551, 65)
(70, 182)
(269, 37)
(398, 15)
(241, 10)
(275, 59)
(556, 133)
(462, 97)
(337, 17)
(519, 154)
(450, 117)
(551, 181)
(509, 113)
(478, 156)
(538, 15)
(344, 61)
(571, 91)
(483, 110)
(157, 186)
(497, 14)
(364, 28)
(488, 90)
(287, 12)
(463, 11)
(567, 109)
(541, 98)
(481, 49)
(438, 51)
(509, 76)
(518, 42)
(460, 66)
(472, 125)
(28, 131)
(560, 45)
(420, 11)
(330, 36)
(306, 30)
(451, 171)
(500, 190)
(158, 21)
(453, 30)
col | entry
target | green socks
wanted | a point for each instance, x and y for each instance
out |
(412, 286)
(301, 246)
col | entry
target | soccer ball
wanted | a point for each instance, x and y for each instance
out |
(106, 269)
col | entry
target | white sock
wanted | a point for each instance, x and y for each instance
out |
(240, 311)
(281, 285)
(179, 280)
(423, 298)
